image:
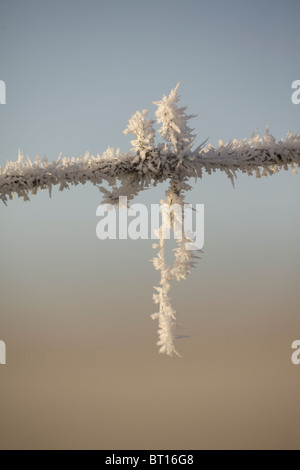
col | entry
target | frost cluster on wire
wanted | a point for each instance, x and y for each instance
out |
(174, 128)
(148, 163)
(143, 131)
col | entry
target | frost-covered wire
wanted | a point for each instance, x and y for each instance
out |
(150, 164)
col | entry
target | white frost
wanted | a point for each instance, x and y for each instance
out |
(150, 164)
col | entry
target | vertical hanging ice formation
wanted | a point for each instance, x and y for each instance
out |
(184, 260)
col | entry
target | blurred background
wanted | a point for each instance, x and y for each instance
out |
(83, 369)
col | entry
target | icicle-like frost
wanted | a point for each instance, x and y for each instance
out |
(184, 261)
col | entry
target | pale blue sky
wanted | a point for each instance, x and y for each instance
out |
(75, 71)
